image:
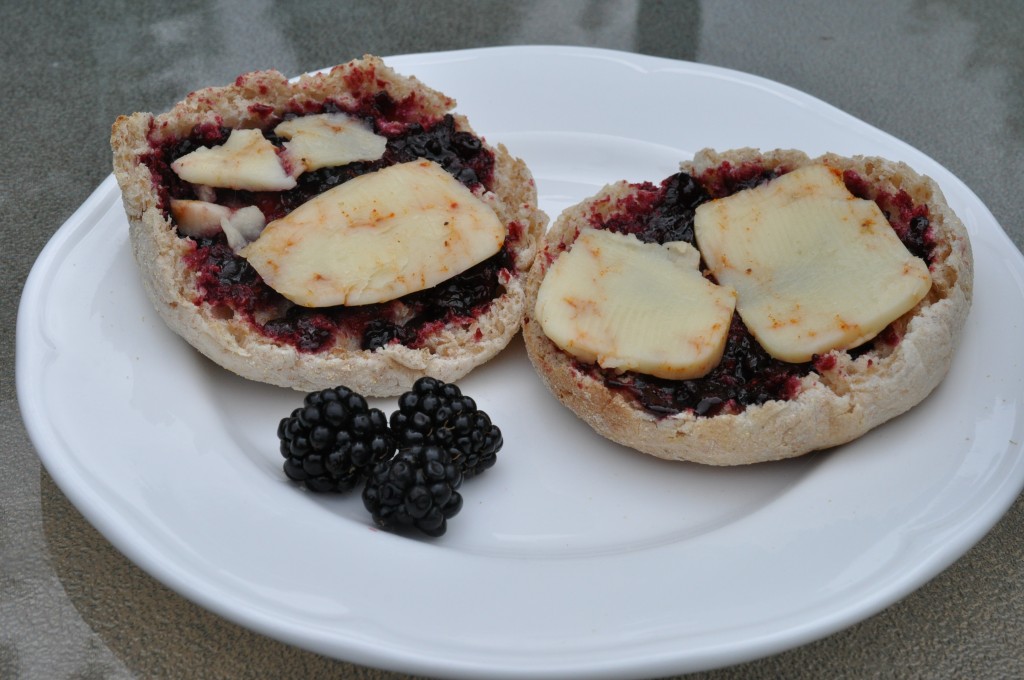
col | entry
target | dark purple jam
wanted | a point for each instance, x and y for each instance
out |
(232, 287)
(660, 214)
(727, 179)
(458, 152)
(910, 221)
(747, 375)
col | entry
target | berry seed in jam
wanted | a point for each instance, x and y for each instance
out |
(747, 375)
(232, 287)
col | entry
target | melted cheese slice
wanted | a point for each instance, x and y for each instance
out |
(327, 140)
(814, 267)
(198, 219)
(247, 160)
(377, 237)
(202, 219)
(629, 305)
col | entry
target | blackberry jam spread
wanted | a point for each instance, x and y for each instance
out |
(231, 286)
(747, 375)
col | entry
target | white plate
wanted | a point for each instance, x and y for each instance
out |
(572, 556)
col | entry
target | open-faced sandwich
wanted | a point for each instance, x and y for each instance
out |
(345, 227)
(753, 307)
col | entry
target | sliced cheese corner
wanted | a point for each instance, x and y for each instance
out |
(377, 237)
(247, 161)
(203, 219)
(198, 219)
(628, 305)
(327, 140)
(814, 267)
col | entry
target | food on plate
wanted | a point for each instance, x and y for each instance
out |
(755, 306)
(627, 305)
(443, 439)
(333, 440)
(417, 489)
(345, 227)
(434, 412)
(410, 465)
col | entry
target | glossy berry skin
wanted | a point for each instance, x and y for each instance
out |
(333, 440)
(434, 412)
(417, 489)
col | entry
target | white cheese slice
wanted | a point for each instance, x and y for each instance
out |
(198, 219)
(327, 140)
(814, 267)
(377, 237)
(628, 305)
(243, 226)
(203, 219)
(247, 160)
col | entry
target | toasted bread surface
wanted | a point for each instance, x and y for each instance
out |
(830, 406)
(259, 99)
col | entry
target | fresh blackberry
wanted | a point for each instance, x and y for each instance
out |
(417, 488)
(435, 412)
(333, 440)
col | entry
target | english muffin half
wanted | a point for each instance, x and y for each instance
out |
(345, 227)
(754, 307)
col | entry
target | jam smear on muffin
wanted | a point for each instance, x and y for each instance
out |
(747, 375)
(231, 286)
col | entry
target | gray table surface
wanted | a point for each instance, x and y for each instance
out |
(947, 76)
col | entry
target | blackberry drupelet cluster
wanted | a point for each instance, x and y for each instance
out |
(417, 488)
(434, 412)
(335, 441)
(331, 442)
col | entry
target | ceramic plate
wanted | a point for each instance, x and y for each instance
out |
(572, 556)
